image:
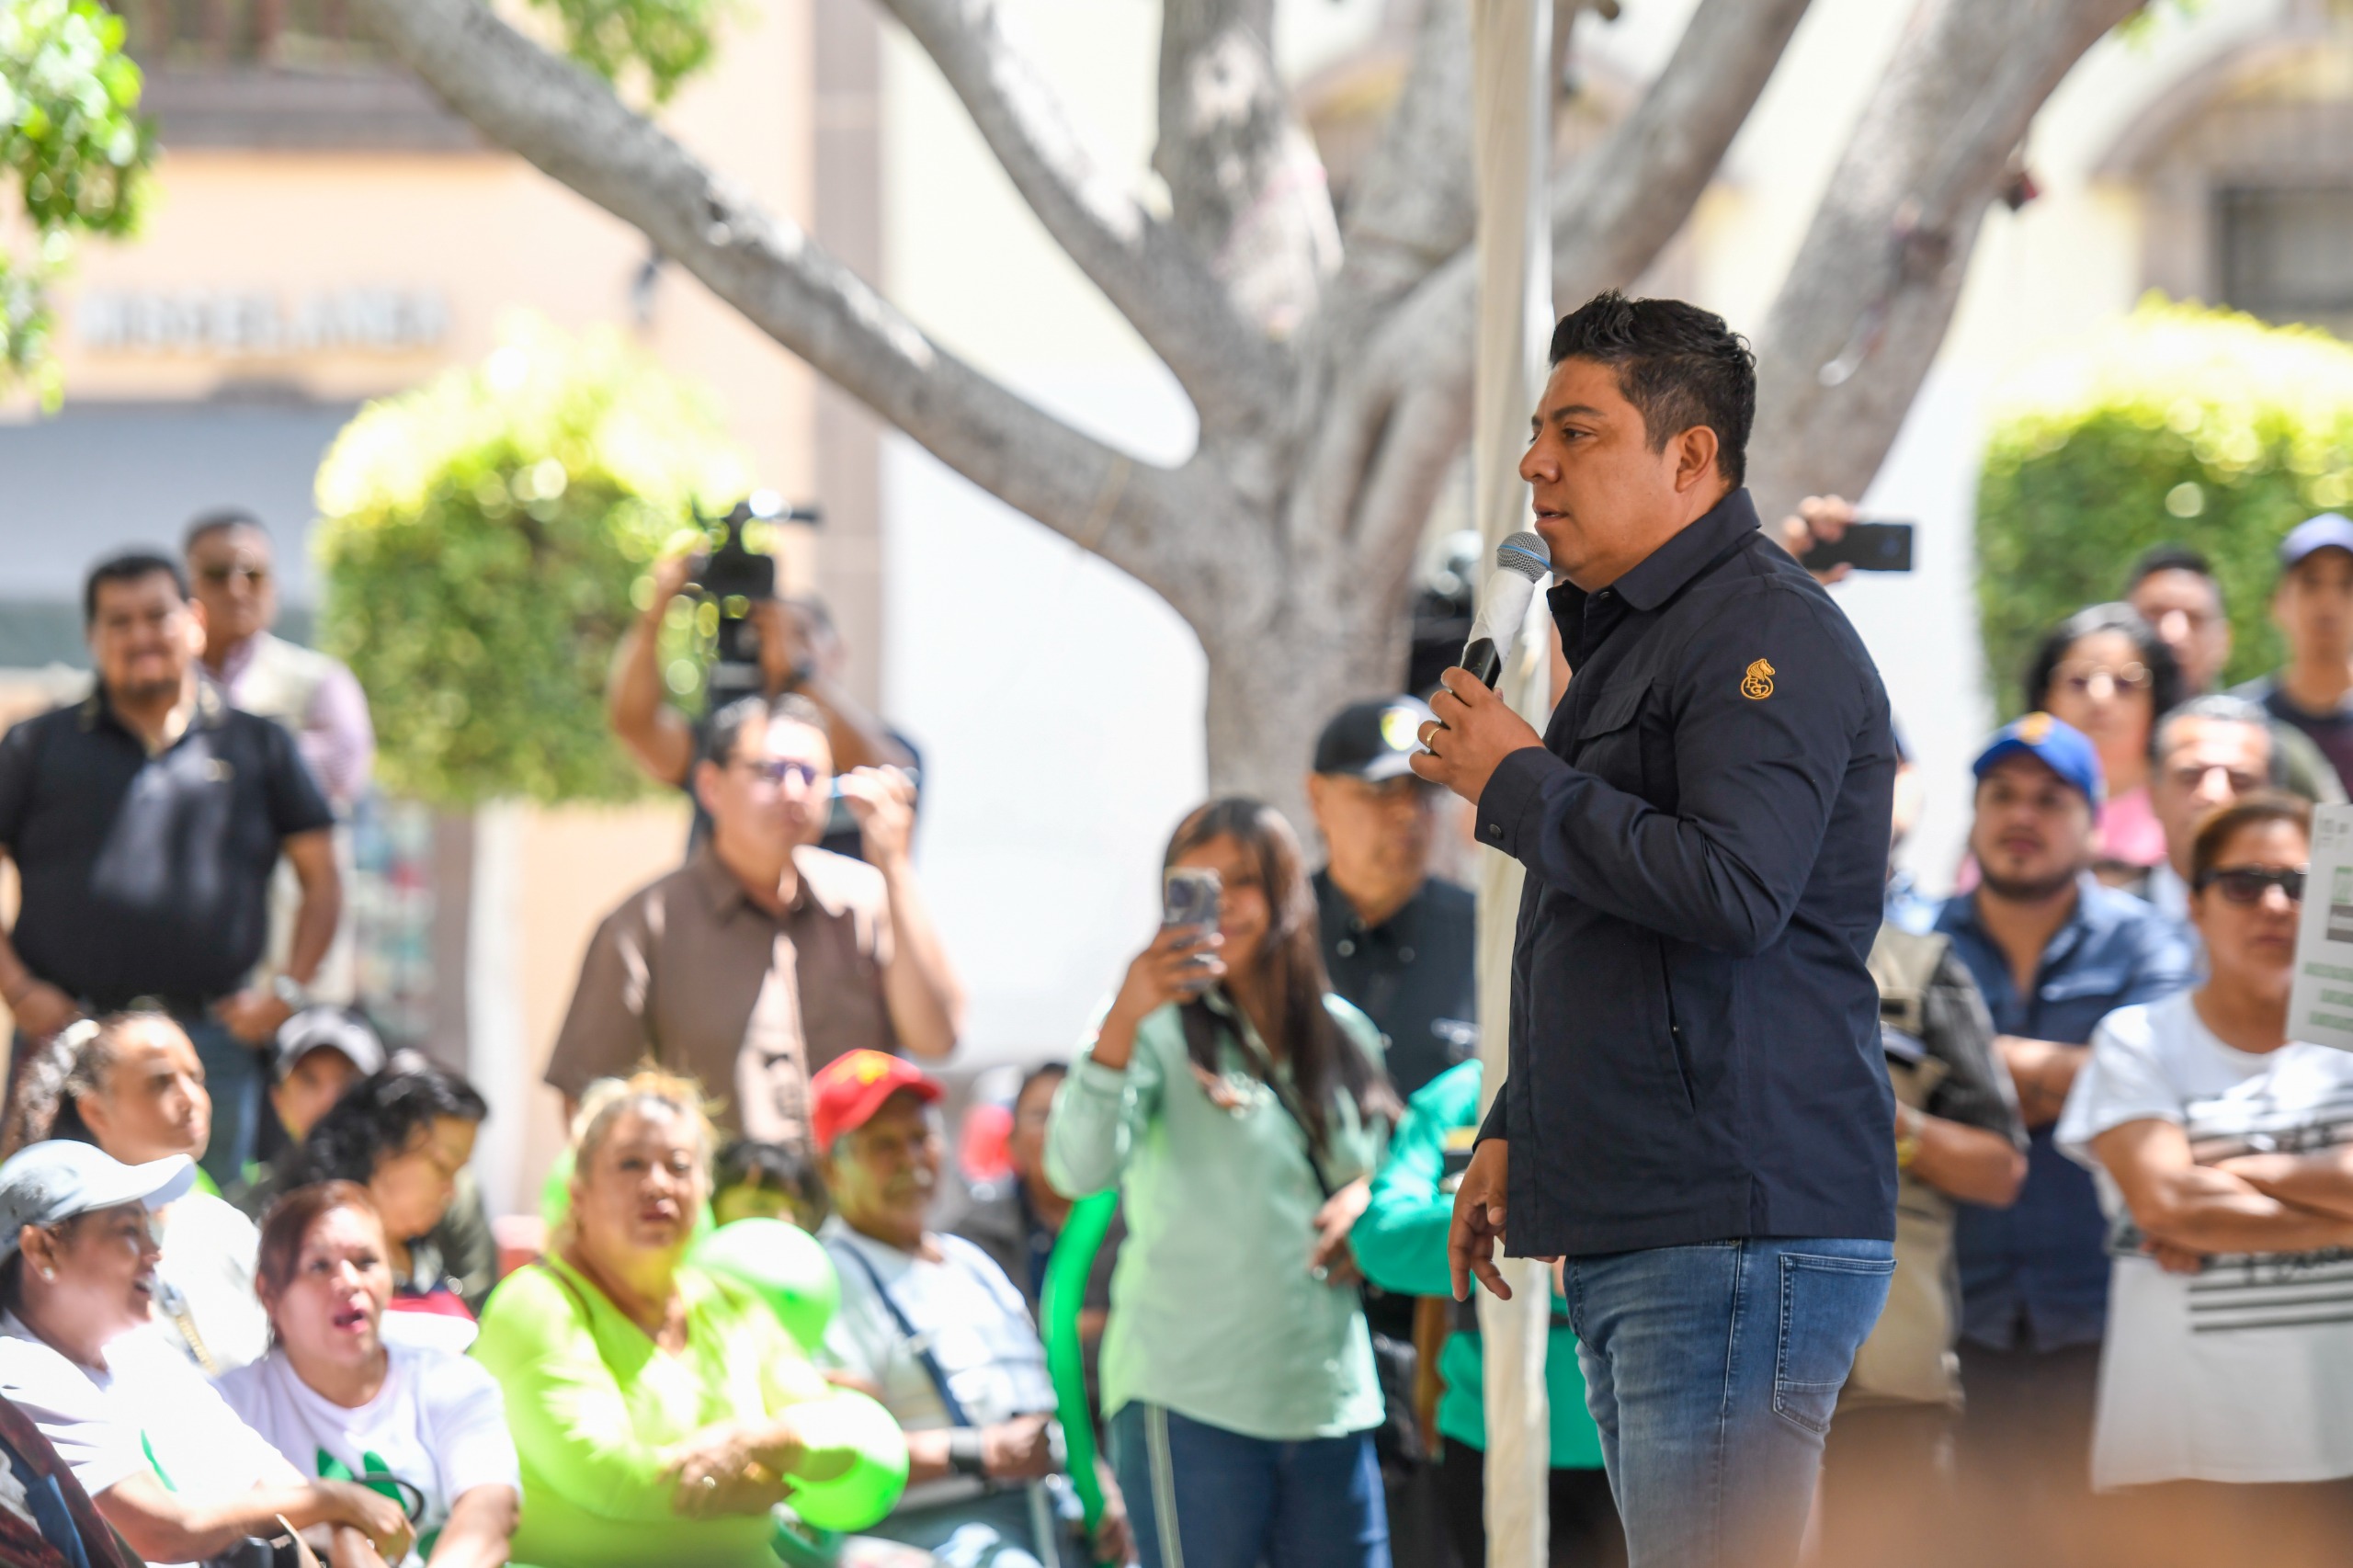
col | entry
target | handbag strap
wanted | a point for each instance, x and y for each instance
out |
(918, 1343)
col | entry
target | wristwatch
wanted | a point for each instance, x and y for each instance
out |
(290, 990)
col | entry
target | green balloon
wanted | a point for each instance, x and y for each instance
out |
(782, 1264)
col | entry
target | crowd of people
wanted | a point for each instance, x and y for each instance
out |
(252, 1308)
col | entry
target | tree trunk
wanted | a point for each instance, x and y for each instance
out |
(1272, 686)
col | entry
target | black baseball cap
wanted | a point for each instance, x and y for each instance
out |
(1373, 741)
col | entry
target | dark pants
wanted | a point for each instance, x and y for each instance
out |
(1583, 1531)
(2025, 1457)
(235, 1077)
(1887, 1488)
(1199, 1497)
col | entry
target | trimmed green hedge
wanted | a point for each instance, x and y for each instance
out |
(481, 538)
(2176, 423)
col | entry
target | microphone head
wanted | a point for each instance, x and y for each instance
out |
(1525, 554)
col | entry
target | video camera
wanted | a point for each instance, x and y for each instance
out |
(734, 577)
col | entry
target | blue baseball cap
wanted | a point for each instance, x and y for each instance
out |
(2330, 530)
(2055, 743)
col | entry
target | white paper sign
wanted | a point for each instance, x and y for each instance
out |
(2320, 1008)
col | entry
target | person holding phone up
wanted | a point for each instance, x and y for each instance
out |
(1241, 1108)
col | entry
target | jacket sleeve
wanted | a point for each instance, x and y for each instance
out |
(1759, 760)
(1400, 1241)
(1099, 1114)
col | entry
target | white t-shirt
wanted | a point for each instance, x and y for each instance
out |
(963, 1309)
(148, 1409)
(2238, 1373)
(439, 1423)
(207, 1274)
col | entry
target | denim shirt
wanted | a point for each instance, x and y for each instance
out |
(2034, 1276)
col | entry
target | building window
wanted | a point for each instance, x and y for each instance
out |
(295, 33)
(2286, 254)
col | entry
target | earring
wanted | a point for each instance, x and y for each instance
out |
(49, 1273)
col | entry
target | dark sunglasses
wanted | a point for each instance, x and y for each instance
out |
(253, 574)
(2245, 884)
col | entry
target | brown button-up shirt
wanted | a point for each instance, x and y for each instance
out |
(691, 973)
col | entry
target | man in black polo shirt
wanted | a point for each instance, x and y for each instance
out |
(145, 821)
(1397, 942)
(1696, 1117)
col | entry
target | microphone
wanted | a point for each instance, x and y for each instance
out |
(1521, 563)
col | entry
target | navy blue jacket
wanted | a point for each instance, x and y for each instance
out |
(2034, 1276)
(1695, 1050)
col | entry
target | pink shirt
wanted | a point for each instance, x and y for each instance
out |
(2129, 830)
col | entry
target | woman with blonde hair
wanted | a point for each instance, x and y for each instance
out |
(661, 1414)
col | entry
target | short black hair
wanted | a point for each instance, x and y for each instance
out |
(379, 1117)
(2171, 556)
(781, 1167)
(1679, 365)
(128, 566)
(2165, 674)
(220, 519)
(2221, 708)
(1038, 1074)
(726, 726)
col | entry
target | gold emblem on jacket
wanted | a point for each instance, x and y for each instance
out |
(1757, 684)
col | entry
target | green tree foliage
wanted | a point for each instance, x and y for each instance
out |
(667, 40)
(2177, 423)
(72, 136)
(482, 538)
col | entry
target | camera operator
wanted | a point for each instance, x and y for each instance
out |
(799, 653)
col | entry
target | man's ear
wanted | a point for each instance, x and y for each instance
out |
(196, 623)
(1694, 458)
(706, 781)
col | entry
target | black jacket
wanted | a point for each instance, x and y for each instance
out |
(1695, 1050)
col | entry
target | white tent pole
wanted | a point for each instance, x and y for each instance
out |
(1511, 102)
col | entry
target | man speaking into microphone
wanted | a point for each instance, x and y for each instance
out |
(1695, 1119)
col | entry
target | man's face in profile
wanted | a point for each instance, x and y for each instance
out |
(1604, 498)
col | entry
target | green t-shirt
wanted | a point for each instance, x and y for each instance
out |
(1400, 1244)
(593, 1403)
(1213, 1311)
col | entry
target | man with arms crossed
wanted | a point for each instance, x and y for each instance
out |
(1696, 1117)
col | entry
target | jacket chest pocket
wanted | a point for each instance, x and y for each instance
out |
(1608, 744)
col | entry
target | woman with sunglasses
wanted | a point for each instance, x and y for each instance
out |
(2224, 1152)
(2107, 672)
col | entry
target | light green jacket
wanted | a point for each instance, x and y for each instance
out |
(1214, 1314)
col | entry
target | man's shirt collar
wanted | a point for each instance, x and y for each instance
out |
(211, 710)
(1662, 573)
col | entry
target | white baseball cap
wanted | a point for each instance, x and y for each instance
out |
(48, 1182)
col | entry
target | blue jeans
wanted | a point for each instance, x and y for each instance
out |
(234, 1078)
(1199, 1497)
(1711, 1371)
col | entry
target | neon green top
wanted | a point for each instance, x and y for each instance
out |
(592, 1403)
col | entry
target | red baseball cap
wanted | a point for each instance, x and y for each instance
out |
(848, 1090)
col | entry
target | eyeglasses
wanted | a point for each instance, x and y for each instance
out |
(2083, 679)
(257, 575)
(2245, 884)
(776, 770)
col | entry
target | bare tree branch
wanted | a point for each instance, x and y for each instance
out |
(571, 126)
(1873, 287)
(1143, 264)
(1612, 212)
(1246, 183)
(1616, 208)
(1415, 203)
